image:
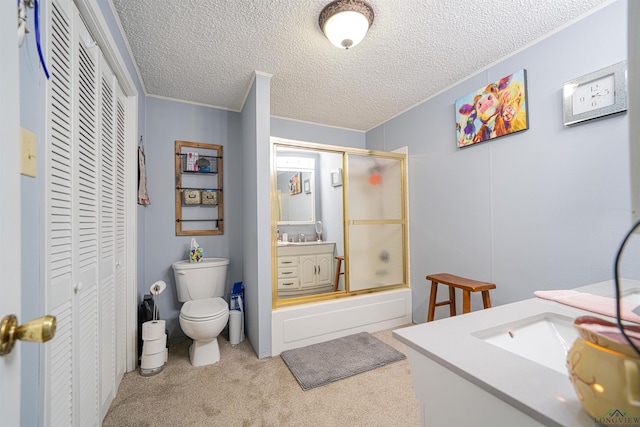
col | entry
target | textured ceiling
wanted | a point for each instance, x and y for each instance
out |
(206, 51)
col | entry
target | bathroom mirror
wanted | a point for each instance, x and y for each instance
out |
(296, 188)
(307, 207)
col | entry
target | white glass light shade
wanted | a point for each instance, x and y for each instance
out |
(346, 22)
(346, 29)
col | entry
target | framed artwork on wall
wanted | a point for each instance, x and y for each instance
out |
(595, 95)
(294, 184)
(498, 109)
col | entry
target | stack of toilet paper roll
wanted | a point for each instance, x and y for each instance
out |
(154, 347)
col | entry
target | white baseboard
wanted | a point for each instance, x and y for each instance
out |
(299, 326)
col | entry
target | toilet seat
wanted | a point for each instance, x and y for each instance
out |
(204, 310)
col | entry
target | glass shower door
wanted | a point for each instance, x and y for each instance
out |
(376, 221)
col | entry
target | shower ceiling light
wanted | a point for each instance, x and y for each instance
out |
(346, 22)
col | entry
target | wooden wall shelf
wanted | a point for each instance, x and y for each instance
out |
(199, 195)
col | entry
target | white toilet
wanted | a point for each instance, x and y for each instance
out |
(204, 313)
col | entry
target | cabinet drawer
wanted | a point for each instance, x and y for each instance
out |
(288, 272)
(287, 261)
(292, 283)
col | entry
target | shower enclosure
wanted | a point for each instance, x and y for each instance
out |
(376, 221)
(360, 198)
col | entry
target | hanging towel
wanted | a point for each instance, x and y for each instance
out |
(143, 196)
(589, 302)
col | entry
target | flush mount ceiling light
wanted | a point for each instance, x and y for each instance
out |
(346, 22)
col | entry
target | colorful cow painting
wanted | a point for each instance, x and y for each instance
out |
(498, 109)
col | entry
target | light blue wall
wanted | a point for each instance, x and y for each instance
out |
(32, 92)
(541, 209)
(309, 132)
(262, 197)
(256, 219)
(166, 122)
(331, 211)
(249, 216)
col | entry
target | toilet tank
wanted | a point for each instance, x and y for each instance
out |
(199, 280)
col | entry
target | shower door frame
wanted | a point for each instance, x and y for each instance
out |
(345, 151)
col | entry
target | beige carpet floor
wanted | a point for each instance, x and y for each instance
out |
(242, 390)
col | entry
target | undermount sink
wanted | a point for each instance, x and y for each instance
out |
(631, 296)
(544, 339)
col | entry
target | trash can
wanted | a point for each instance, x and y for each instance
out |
(236, 314)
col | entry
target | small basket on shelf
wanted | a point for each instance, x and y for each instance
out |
(209, 197)
(191, 197)
(195, 162)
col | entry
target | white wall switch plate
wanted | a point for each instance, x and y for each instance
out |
(27, 153)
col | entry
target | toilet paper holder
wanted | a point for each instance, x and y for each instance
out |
(155, 290)
(154, 351)
(158, 287)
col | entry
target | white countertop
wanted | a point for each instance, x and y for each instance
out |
(306, 248)
(314, 243)
(540, 392)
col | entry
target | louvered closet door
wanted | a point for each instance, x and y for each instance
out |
(59, 281)
(121, 230)
(85, 185)
(108, 131)
(84, 219)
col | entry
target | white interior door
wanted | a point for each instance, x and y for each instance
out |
(10, 285)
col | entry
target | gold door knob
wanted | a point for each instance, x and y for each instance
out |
(41, 329)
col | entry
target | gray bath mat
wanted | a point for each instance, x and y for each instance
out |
(323, 363)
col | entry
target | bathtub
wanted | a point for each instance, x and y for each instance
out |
(306, 324)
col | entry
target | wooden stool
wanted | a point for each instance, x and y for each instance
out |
(339, 260)
(467, 286)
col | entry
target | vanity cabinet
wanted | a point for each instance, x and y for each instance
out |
(305, 269)
(288, 279)
(315, 270)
